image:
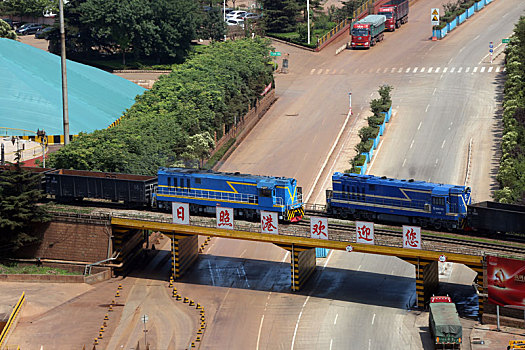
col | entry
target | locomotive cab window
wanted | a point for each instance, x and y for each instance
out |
(438, 201)
(197, 180)
(188, 183)
(372, 187)
(169, 182)
(265, 192)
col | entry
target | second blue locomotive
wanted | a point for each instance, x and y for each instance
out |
(246, 194)
(413, 202)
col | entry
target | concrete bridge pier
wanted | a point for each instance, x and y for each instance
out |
(184, 250)
(302, 264)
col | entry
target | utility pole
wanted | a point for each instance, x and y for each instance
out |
(65, 112)
(308, 14)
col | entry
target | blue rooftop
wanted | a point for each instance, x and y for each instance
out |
(31, 92)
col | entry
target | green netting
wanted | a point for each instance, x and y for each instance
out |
(31, 92)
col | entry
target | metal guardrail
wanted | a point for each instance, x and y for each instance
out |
(333, 32)
(12, 319)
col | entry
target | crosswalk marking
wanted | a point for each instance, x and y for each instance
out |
(411, 70)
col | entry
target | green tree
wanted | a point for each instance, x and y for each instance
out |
(31, 8)
(212, 25)
(19, 194)
(280, 16)
(6, 31)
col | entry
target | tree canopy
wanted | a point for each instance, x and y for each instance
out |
(181, 115)
(31, 8)
(6, 31)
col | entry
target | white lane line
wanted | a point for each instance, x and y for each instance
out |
(415, 70)
(450, 60)
(404, 162)
(419, 126)
(245, 277)
(467, 70)
(399, 70)
(408, 69)
(505, 15)
(285, 256)
(328, 259)
(452, 69)
(426, 109)
(411, 143)
(211, 273)
(335, 320)
(460, 69)
(445, 69)
(373, 319)
(369, 343)
(375, 157)
(437, 160)
(437, 70)
(434, 92)
(430, 70)
(497, 69)
(259, 335)
(482, 69)
(443, 144)
(371, 94)
(359, 268)
(378, 69)
(319, 71)
(475, 70)
(298, 320)
(244, 251)
(463, 48)
(490, 69)
(393, 70)
(384, 71)
(331, 341)
(312, 71)
(476, 38)
(422, 70)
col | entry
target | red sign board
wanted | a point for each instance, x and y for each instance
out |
(506, 281)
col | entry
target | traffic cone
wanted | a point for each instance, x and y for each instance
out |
(100, 335)
(186, 300)
(198, 339)
(110, 307)
(192, 303)
(117, 295)
(95, 342)
(102, 329)
(119, 286)
(105, 324)
(192, 344)
(106, 317)
(198, 306)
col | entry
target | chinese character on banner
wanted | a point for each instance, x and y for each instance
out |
(318, 227)
(269, 222)
(364, 232)
(224, 218)
(181, 213)
(412, 237)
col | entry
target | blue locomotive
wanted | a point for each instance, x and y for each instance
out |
(412, 202)
(246, 194)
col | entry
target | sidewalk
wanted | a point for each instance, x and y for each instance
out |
(487, 337)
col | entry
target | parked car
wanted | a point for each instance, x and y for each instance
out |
(44, 32)
(235, 22)
(250, 15)
(236, 14)
(29, 28)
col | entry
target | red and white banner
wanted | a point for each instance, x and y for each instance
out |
(269, 222)
(266, 89)
(181, 213)
(506, 281)
(412, 237)
(364, 232)
(224, 218)
(318, 228)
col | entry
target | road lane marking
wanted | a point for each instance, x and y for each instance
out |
(245, 277)
(378, 69)
(312, 71)
(477, 37)
(369, 343)
(422, 70)
(331, 341)
(393, 70)
(437, 70)
(373, 319)
(482, 69)
(328, 259)
(298, 320)
(335, 320)
(386, 69)
(445, 69)
(319, 71)
(260, 328)
(211, 274)
(426, 109)
(443, 144)
(419, 126)
(404, 163)
(244, 251)
(399, 70)
(452, 69)
(450, 60)
(412, 144)
(285, 256)
(490, 69)
(437, 160)
(475, 70)
(434, 92)
(467, 70)
(497, 69)
(460, 69)
(430, 70)
(408, 69)
(359, 268)
(463, 48)
(415, 70)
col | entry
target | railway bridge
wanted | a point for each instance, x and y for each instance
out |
(302, 247)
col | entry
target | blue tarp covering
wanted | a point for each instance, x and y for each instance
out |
(31, 92)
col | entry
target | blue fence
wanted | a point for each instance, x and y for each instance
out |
(321, 252)
(370, 154)
(441, 33)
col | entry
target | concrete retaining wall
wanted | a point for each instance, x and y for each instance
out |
(92, 279)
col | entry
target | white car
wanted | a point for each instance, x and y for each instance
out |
(235, 22)
(236, 14)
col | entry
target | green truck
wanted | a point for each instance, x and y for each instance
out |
(444, 323)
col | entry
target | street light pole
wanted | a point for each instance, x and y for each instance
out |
(308, 14)
(65, 112)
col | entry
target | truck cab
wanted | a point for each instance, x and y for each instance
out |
(361, 35)
(390, 14)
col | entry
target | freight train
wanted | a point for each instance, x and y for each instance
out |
(353, 196)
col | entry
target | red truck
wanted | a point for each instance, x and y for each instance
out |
(368, 31)
(396, 13)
